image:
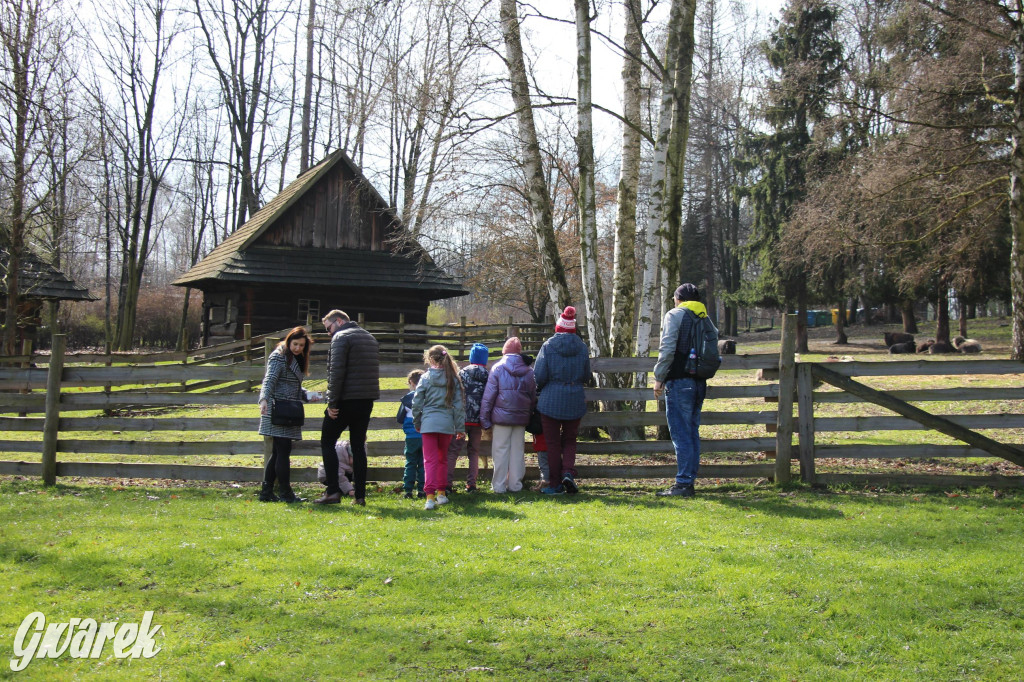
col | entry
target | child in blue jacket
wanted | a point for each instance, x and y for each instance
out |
(414, 475)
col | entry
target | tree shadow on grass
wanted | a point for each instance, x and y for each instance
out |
(415, 509)
(759, 501)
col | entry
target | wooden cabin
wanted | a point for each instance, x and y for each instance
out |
(328, 240)
(38, 283)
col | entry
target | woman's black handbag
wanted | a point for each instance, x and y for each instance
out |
(287, 413)
(534, 426)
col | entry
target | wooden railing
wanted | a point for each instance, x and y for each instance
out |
(90, 410)
(812, 387)
(72, 390)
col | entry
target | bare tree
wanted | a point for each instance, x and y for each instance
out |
(239, 40)
(138, 56)
(593, 296)
(624, 269)
(33, 36)
(662, 193)
(540, 200)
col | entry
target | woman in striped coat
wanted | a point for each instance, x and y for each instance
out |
(286, 367)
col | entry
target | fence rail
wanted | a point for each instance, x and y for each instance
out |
(75, 406)
(75, 389)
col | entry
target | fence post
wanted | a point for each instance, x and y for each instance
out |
(53, 375)
(787, 384)
(512, 330)
(361, 319)
(247, 335)
(401, 337)
(26, 349)
(268, 441)
(805, 400)
(462, 338)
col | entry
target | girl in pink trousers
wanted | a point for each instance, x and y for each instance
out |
(438, 413)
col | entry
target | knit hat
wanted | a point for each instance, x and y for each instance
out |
(687, 292)
(512, 347)
(567, 322)
(478, 354)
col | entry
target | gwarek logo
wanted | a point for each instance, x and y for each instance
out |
(82, 638)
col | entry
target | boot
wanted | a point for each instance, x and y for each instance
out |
(288, 495)
(267, 493)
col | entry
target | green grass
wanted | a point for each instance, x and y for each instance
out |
(740, 583)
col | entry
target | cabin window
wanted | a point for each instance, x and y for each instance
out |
(307, 307)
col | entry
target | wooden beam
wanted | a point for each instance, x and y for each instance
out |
(922, 480)
(891, 423)
(195, 472)
(940, 424)
(787, 384)
(805, 405)
(932, 367)
(52, 421)
(863, 451)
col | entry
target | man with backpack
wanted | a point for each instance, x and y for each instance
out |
(687, 358)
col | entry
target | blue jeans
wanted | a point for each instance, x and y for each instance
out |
(413, 465)
(683, 401)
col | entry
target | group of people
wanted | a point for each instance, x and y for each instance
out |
(447, 407)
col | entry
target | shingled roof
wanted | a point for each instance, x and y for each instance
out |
(39, 280)
(336, 268)
(239, 259)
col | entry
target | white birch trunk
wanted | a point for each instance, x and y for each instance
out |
(540, 199)
(624, 274)
(593, 297)
(650, 301)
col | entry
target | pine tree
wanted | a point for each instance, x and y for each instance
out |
(806, 59)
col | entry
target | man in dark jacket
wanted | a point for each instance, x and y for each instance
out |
(684, 392)
(353, 383)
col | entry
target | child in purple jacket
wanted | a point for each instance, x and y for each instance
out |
(508, 402)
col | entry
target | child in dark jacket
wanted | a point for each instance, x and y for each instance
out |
(413, 440)
(474, 379)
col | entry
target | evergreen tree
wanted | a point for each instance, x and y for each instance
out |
(806, 60)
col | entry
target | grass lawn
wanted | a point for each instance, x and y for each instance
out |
(739, 583)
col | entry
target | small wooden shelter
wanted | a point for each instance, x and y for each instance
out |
(328, 240)
(38, 282)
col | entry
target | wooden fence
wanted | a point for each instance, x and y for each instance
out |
(56, 412)
(80, 411)
(812, 386)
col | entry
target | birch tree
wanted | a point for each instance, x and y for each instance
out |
(597, 330)
(624, 264)
(540, 200)
(680, 16)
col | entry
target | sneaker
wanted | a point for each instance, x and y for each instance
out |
(678, 491)
(430, 504)
(408, 494)
(569, 483)
(553, 490)
(421, 494)
(470, 488)
(449, 490)
(441, 499)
